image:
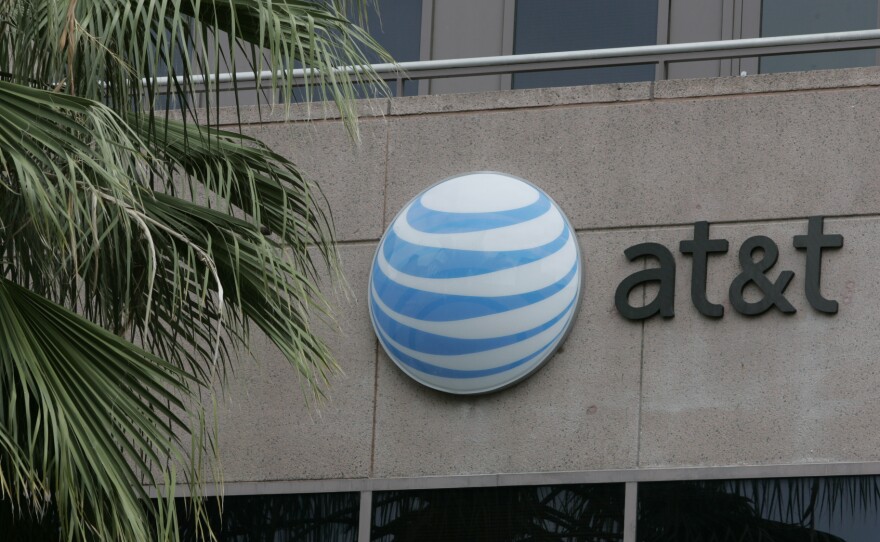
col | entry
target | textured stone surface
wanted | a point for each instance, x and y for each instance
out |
(478, 101)
(351, 176)
(252, 114)
(302, 111)
(768, 390)
(773, 388)
(578, 412)
(661, 162)
(780, 82)
(268, 432)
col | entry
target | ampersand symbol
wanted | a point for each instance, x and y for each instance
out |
(754, 272)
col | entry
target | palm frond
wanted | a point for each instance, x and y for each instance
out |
(77, 397)
(261, 285)
(136, 251)
(114, 52)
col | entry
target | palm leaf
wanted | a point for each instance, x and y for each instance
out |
(136, 251)
(105, 57)
(77, 397)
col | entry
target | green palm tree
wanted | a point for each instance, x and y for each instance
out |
(138, 247)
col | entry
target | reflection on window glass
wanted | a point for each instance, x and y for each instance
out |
(569, 25)
(397, 27)
(576, 513)
(325, 517)
(169, 97)
(788, 17)
(21, 524)
(831, 509)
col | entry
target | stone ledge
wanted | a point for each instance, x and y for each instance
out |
(269, 113)
(554, 96)
(771, 82)
(511, 99)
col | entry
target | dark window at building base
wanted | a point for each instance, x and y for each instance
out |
(571, 513)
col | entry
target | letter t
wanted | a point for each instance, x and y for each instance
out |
(813, 242)
(700, 248)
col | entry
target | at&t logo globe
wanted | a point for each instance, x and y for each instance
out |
(476, 283)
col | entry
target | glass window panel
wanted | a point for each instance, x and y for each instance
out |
(575, 513)
(830, 509)
(325, 517)
(319, 517)
(21, 524)
(397, 26)
(788, 17)
(570, 25)
(167, 97)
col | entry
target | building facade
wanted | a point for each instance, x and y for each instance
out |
(664, 428)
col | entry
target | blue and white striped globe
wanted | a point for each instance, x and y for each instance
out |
(475, 283)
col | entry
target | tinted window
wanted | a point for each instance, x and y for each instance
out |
(397, 27)
(787, 17)
(569, 25)
(577, 513)
(832, 509)
(325, 517)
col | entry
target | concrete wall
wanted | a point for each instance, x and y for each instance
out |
(627, 163)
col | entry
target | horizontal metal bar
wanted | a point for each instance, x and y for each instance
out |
(674, 52)
(647, 59)
(644, 59)
(624, 52)
(540, 478)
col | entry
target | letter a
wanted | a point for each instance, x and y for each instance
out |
(665, 274)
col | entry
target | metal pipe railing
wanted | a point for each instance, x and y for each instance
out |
(616, 56)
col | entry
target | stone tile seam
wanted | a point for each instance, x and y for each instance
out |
(420, 114)
(378, 117)
(375, 408)
(652, 97)
(539, 107)
(731, 222)
(376, 352)
(641, 375)
(671, 225)
(385, 180)
(847, 88)
(356, 242)
(505, 479)
(384, 106)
